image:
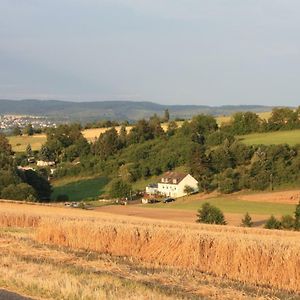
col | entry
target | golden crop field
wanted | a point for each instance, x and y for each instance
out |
(241, 259)
(19, 143)
(226, 119)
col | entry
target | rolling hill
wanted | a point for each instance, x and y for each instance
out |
(113, 110)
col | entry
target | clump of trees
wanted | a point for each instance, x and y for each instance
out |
(287, 222)
(18, 184)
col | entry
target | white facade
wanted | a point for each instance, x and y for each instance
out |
(175, 187)
(152, 189)
(41, 163)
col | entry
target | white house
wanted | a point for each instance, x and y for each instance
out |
(42, 163)
(173, 184)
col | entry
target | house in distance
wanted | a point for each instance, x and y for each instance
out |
(173, 184)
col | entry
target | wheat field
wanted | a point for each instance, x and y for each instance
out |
(251, 256)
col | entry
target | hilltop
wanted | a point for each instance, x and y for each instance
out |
(114, 110)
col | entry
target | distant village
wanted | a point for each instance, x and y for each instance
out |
(8, 122)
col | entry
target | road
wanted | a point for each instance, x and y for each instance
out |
(6, 295)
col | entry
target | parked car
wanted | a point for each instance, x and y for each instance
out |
(167, 200)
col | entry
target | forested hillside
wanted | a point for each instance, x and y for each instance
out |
(211, 153)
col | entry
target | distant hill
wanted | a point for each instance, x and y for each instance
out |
(114, 110)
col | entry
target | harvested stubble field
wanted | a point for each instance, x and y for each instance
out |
(187, 261)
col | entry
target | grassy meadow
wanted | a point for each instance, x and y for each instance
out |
(230, 205)
(62, 253)
(79, 189)
(291, 137)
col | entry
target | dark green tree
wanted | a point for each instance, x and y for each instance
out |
(210, 214)
(272, 223)
(166, 115)
(247, 220)
(297, 217)
(21, 191)
(29, 150)
(287, 222)
(119, 189)
(17, 131)
(29, 130)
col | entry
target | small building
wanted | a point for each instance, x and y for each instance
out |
(174, 184)
(42, 163)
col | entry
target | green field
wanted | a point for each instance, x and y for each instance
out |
(231, 205)
(83, 189)
(291, 137)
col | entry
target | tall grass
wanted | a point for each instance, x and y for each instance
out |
(251, 258)
(19, 220)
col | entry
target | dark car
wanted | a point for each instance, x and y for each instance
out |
(167, 200)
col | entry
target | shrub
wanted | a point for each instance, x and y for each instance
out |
(287, 222)
(247, 220)
(210, 214)
(21, 191)
(272, 223)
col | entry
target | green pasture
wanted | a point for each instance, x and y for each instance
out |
(291, 137)
(79, 190)
(231, 205)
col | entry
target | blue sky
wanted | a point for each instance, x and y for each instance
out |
(213, 52)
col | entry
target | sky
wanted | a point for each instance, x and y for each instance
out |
(208, 52)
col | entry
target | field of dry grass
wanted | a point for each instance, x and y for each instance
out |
(250, 262)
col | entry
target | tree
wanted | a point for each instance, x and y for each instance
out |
(272, 223)
(28, 150)
(17, 131)
(245, 122)
(39, 183)
(5, 147)
(297, 217)
(172, 126)
(29, 130)
(247, 220)
(188, 190)
(119, 189)
(123, 136)
(107, 144)
(166, 115)
(287, 222)
(21, 191)
(210, 214)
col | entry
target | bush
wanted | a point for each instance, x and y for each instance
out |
(21, 191)
(210, 214)
(247, 221)
(287, 222)
(272, 223)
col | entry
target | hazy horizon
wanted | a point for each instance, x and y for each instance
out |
(223, 52)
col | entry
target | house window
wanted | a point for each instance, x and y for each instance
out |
(175, 181)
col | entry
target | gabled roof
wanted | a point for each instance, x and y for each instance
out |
(172, 177)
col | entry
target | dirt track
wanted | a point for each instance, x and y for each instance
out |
(287, 197)
(173, 214)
